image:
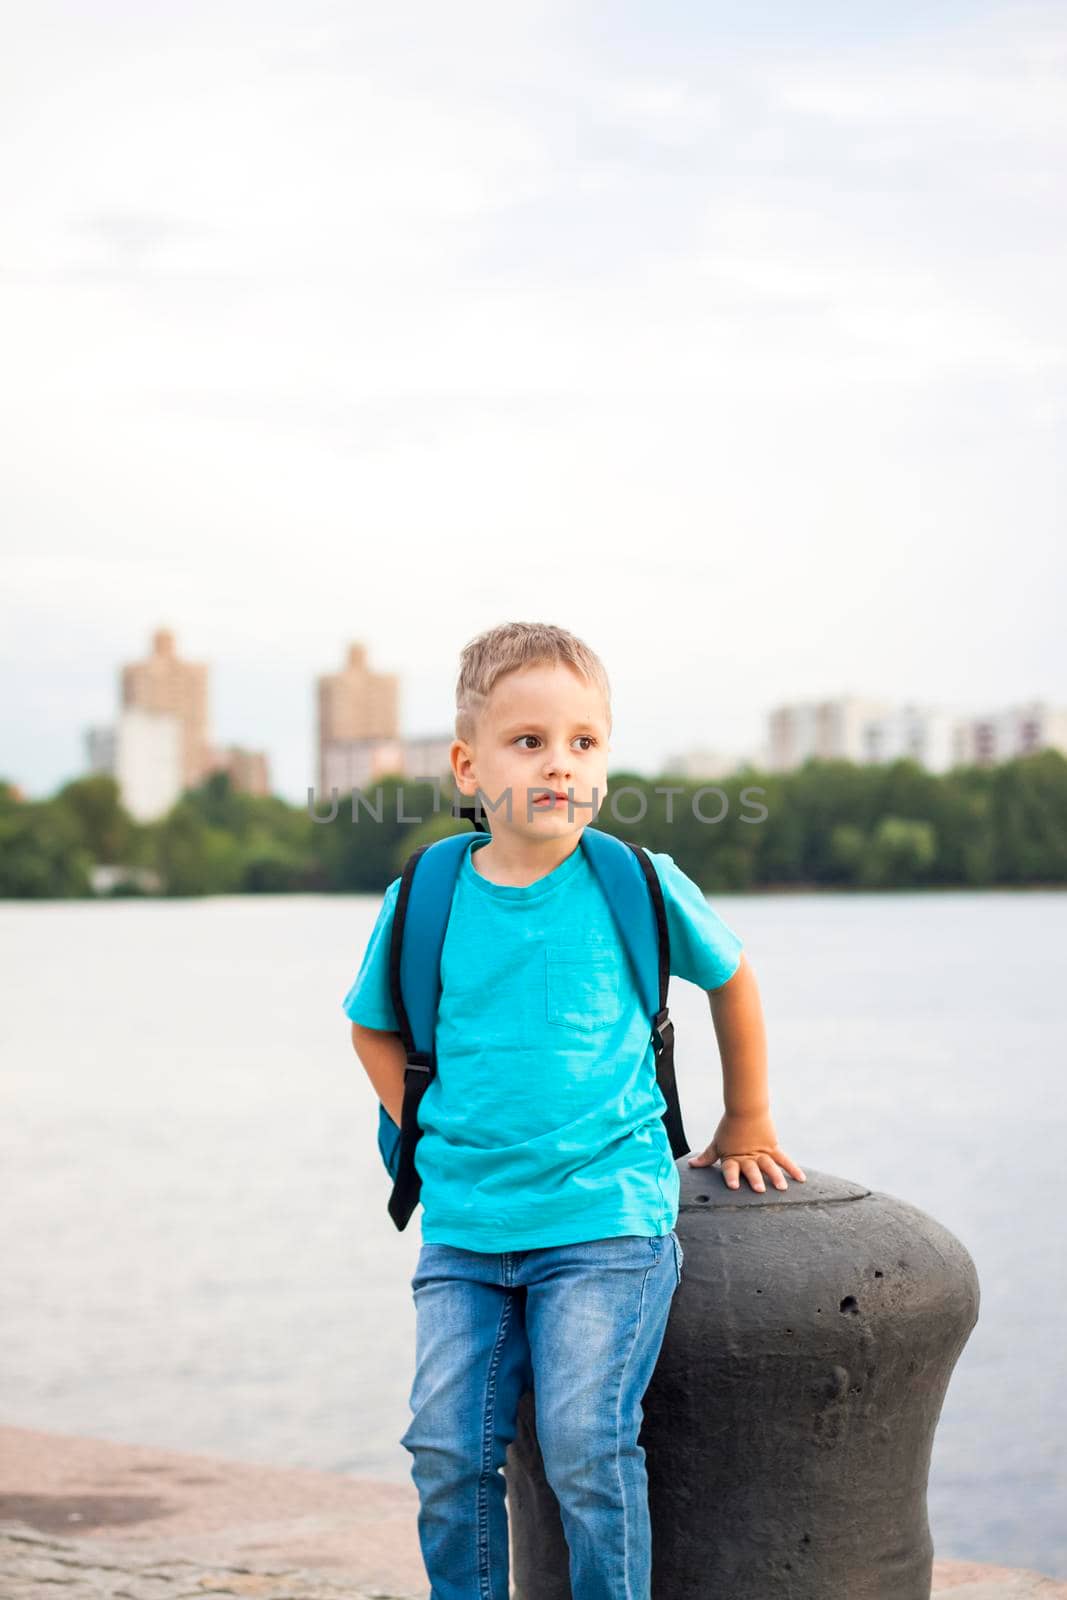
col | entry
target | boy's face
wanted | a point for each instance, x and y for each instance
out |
(543, 728)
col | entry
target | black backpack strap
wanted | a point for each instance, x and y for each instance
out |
(421, 913)
(474, 815)
(662, 1026)
(420, 1063)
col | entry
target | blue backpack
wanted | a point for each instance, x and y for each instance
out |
(423, 904)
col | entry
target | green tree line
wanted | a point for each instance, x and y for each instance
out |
(827, 824)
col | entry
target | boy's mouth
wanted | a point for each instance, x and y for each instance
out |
(547, 799)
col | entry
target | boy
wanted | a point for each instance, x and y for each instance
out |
(549, 1257)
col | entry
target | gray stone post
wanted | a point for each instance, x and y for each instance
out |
(790, 1419)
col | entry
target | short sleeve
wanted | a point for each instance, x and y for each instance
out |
(704, 950)
(368, 1001)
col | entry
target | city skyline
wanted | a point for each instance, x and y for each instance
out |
(162, 740)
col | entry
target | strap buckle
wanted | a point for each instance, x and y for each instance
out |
(419, 1060)
(662, 1031)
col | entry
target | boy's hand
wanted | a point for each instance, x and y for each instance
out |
(748, 1144)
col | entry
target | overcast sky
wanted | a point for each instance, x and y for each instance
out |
(730, 336)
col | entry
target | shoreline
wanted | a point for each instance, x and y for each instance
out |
(754, 891)
(107, 1520)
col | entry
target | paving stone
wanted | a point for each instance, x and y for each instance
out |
(74, 1525)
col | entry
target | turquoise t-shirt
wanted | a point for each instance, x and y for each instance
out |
(543, 1123)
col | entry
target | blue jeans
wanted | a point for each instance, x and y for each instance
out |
(580, 1324)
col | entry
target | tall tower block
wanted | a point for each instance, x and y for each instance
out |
(164, 682)
(355, 704)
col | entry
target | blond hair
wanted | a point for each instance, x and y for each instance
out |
(512, 645)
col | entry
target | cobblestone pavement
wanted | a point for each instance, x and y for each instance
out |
(43, 1567)
(90, 1519)
(94, 1518)
(38, 1567)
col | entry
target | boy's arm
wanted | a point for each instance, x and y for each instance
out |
(738, 1018)
(745, 1139)
(384, 1060)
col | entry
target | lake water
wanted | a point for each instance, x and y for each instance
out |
(194, 1236)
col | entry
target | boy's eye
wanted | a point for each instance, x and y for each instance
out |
(587, 737)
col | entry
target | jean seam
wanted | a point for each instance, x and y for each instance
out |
(618, 1434)
(488, 1433)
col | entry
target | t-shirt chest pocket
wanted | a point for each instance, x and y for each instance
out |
(581, 987)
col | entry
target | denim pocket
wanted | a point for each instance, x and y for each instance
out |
(581, 988)
(679, 1257)
(638, 1252)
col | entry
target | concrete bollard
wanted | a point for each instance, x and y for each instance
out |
(789, 1422)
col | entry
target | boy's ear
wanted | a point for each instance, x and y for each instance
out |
(460, 756)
